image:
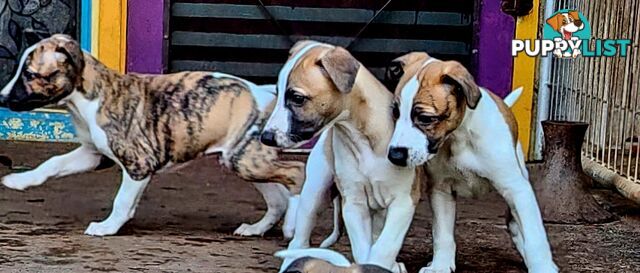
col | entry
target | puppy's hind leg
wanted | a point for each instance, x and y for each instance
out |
(526, 227)
(82, 159)
(276, 196)
(124, 207)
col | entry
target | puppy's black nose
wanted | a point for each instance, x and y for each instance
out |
(398, 156)
(269, 138)
(578, 23)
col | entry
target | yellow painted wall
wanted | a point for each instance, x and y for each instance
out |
(109, 37)
(524, 72)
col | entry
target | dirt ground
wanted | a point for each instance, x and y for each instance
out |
(186, 219)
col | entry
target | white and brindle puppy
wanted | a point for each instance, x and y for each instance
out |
(146, 123)
(323, 90)
(467, 136)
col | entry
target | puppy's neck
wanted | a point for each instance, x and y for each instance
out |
(369, 107)
(98, 80)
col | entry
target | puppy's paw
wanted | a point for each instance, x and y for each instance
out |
(249, 230)
(576, 53)
(435, 267)
(289, 224)
(101, 229)
(21, 181)
(288, 230)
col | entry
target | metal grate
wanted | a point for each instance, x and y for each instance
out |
(603, 91)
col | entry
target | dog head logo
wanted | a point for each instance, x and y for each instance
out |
(47, 72)
(567, 25)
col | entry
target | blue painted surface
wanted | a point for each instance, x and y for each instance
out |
(36, 126)
(85, 25)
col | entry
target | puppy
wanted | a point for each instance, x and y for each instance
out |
(147, 123)
(323, 261)
(323, 90)
(567, 23)
(468, 138)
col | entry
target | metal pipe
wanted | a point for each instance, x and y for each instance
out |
(544, 92)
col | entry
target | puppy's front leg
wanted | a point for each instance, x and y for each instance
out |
(313, 197)
(357, 220)
(82, 159)
(385, 250)
(124, 207)
(443, 206)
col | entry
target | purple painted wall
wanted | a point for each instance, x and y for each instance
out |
(494, 64)
(145, 42)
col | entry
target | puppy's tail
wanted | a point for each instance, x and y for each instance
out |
(328, 255)
(513, 97)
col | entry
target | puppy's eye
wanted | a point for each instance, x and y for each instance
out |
(395, 111)
(294, 98)
(28, 75)
(424, 119)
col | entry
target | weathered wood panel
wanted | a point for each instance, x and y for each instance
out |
(238, 37)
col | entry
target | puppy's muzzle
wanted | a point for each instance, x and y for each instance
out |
(269, 138)
(578, 23)
(398, 156)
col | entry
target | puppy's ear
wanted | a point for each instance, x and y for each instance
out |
(394, 71)
(555, 21)
(341, 67)
(409, 59)
(464, 86)
(71, 49)
(574, 14)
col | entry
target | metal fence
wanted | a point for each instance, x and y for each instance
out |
(602, 91)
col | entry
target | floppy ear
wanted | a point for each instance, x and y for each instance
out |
(555, 21)
(71, 49)
(455, 74)
(574, 14)
(398, 67)
(341, 67)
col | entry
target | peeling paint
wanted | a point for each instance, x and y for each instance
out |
(53, 126)
(15, 123)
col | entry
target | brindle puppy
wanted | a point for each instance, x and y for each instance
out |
(146, 123)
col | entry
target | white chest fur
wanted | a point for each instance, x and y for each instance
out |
(362, 173)
(86, 112)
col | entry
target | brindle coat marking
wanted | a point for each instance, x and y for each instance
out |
(151, 121)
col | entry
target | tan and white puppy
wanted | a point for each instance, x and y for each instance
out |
(147, 123)
(323, 90)
(467, 136)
